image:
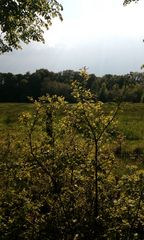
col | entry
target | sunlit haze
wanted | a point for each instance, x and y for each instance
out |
(103, 35)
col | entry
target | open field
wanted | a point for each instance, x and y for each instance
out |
(130, 118)
(9, 113)
(130, 123)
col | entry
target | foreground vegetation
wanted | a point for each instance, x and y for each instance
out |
(61, 175)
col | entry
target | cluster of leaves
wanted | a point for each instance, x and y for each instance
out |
(59, 179)
(129, 1)
(25, 21)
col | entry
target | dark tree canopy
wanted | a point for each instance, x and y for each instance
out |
(25, 21)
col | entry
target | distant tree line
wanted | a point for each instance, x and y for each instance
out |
(17, 87)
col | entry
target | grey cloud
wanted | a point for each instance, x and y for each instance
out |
(117, 56)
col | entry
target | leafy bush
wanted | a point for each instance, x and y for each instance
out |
(59, 178)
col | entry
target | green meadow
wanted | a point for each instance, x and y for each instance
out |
(9, 113)
(130, 124)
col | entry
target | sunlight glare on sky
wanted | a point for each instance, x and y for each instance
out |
(98, 20)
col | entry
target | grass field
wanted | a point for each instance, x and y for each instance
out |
(130, 123)
(9, 113)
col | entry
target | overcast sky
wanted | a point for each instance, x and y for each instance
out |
(100, 34)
